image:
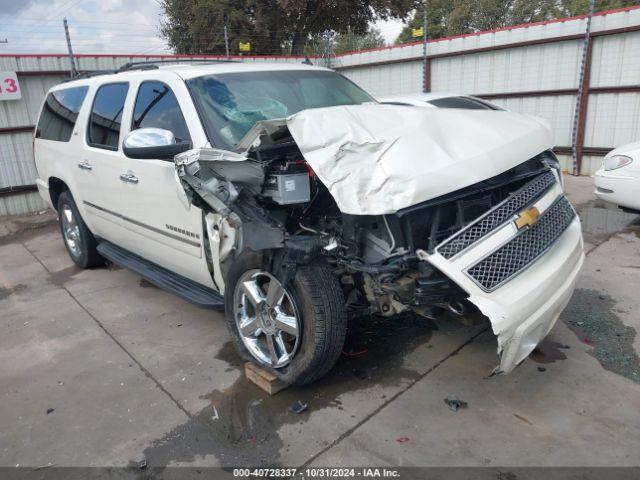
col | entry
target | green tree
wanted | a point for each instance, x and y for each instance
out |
(196, 26)
(579, 7)
(455, 17)
(437, 17)
(350, 42)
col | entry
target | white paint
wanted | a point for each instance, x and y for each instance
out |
(378, 159)
(523, 310)
(622, 185)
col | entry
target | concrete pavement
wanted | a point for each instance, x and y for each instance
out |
(127, 371)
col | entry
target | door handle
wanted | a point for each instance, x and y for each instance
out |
(84, 165)
(128, 177)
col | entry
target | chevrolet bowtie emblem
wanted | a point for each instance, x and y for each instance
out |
(527, 218)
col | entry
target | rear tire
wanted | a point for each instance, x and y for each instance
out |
(315, 298)
(78, 239)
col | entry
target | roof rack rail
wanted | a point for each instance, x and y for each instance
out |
(153, 64)
(146, 65)
(89, 74)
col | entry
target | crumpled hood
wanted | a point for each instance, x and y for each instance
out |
(378, 159)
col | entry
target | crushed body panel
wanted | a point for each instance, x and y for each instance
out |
(411, 204)
(523, 310)
(378, 159)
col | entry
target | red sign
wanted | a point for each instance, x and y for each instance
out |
(9, 86)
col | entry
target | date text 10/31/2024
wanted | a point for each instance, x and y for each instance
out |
(316, 472)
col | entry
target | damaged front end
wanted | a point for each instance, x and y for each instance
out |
(411, 218)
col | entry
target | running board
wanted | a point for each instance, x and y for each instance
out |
(186, 289)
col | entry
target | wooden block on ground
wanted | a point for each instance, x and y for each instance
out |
(267, 381)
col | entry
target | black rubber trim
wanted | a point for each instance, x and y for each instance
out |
(15, 190)
(143, 225)
(162, 152)
(186, 289)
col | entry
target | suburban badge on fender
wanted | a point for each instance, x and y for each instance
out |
(528, 218)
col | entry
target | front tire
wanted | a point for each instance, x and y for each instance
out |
(296, 331)
(78, 239)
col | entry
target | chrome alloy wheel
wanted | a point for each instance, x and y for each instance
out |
(71, 231)
(267, 318)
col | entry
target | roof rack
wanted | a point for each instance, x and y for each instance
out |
(146, 65)
(89, 74)
(153, 64)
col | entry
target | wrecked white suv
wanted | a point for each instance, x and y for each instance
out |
(285, 194)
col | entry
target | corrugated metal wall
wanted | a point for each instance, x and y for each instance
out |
(17, 167)
(530, 69)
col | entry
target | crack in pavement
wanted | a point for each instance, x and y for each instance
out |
(398, 394)
(392, 398)
(341, 437)
(144, 370)
(197, 419)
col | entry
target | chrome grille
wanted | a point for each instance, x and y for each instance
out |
(493, 219)
(524, 248)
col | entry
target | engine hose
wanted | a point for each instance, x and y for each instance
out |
(373, 269)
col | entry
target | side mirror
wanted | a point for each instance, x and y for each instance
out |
(152, 143)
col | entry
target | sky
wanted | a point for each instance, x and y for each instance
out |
(106, 26)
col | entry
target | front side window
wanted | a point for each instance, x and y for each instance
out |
(157, 107)
(59, 114)
(106, 116)
(231, 103)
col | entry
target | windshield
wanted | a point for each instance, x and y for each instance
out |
(231, 103)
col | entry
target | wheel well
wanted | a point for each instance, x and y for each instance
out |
(56, 187)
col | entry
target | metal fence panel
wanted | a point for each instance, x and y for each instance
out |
(613, 119)
(533, 68)
(557, 110)
(616, 60)
(17, 166)
(387, 80)
(590, 163)
(20, 204)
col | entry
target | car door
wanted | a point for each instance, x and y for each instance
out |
(162, 225)
(100, 162)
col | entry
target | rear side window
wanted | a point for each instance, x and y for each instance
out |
(59, 114)
(157, 107)
(106, 116)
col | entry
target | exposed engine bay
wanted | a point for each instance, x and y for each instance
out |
(273, 200)
(409, 216)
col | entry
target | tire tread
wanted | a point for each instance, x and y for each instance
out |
(90, 256)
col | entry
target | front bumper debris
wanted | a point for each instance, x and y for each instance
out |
(521, 279)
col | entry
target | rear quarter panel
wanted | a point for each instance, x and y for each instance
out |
(59, 160)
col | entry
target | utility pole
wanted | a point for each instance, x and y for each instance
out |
(226, 41)
(425, 60)
(72, 60)
(328, 48)
(579, 117)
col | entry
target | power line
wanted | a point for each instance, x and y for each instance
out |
(57, 11)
